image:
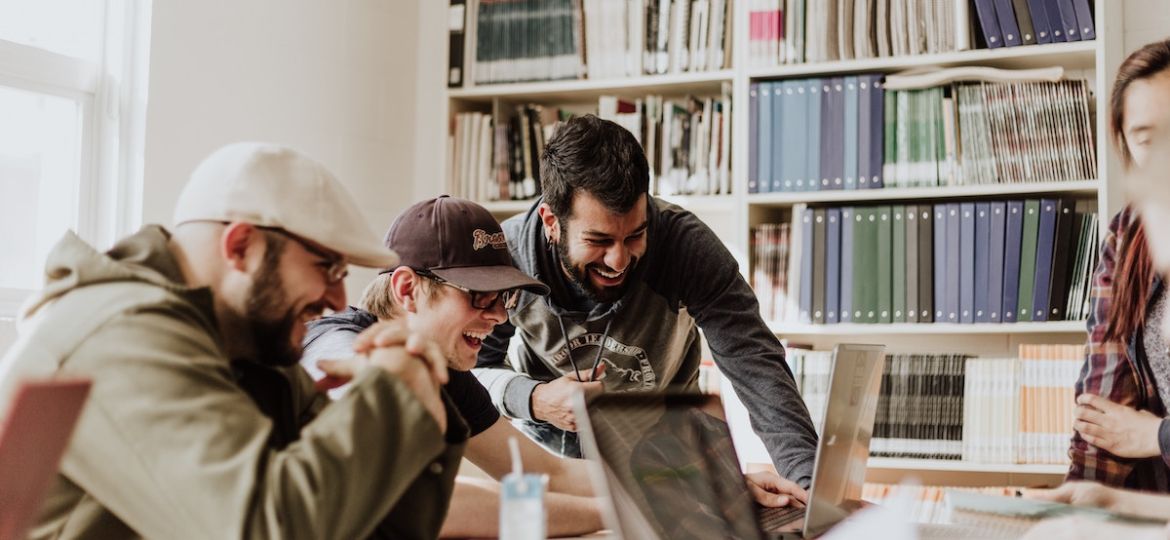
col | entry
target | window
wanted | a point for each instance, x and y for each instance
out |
(72, 101)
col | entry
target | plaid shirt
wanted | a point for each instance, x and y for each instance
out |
(1118, 371)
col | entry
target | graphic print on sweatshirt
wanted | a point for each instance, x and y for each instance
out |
(627, 367)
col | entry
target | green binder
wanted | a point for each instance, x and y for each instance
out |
(1028, 260)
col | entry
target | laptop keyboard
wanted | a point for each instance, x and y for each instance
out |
(772, 519)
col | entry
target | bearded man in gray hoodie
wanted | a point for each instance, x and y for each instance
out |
(632, 280)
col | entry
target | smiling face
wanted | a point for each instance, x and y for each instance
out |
(446, 316)
(599, 247)
(289, 289)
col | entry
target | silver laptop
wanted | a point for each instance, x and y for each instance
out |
(668, 464)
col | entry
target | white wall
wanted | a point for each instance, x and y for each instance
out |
(334, 79)
(1146, 21)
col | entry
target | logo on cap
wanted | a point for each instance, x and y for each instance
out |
(483, 238)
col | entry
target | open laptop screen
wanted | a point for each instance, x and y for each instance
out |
(671, 456)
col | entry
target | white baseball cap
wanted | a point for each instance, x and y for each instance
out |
(270, 185)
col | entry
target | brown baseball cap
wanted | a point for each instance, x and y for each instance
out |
(458, 241)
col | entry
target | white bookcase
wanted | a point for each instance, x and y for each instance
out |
(733, 216)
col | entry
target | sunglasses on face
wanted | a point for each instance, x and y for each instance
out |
(484, 300)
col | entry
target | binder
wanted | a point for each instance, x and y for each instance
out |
(819, 274)
(755, 159)
(1056, 21)
(806, 265)
(988, 23)
(1028, 259)
(1013, 239)
(780, 150)
(940, 262)
(967, 263)
(1040, 22)
(837, 135)
(764, 172)
(865, 289)
(1024, 18)
(877, 129)
(1084, 20)
(1006, 16)
(911, 263)
(863, 131)
(982, 283)
(812, 156)
(1068, 20)
(1062, 260)
(885, 279)
(832, 265)
(925, 264)
(996, 249)
(456, 31)
(898, 265)
(845, 295)
(953, 261)
(851, 132)
(796, 152)
(829, 131)
(1045, 239)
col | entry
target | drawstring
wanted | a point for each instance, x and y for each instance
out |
(596, 359)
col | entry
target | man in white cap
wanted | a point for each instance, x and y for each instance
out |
(200, 423)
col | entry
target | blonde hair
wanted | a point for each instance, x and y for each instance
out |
(378, 296)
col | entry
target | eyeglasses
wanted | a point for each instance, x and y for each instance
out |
(484, 300)
(335, 268)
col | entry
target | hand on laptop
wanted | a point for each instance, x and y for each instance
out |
(552, 401)
(770, 489)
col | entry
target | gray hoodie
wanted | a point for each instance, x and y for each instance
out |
(687, 280)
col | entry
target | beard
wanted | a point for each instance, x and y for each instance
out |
(270, 321)
(579, 275)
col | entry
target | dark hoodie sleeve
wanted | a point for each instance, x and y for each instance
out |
(746, 351)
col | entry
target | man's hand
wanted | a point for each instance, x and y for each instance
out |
(552, 401)
(770, 489)
(396, 334)
(417, 376)
(338, 372)
(1117, 429)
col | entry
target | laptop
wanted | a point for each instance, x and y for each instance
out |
(33, 436)
(668, 464)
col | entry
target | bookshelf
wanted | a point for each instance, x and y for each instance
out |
(734, 215)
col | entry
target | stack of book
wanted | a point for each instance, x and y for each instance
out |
(959, 407)
(853, 133)
(525, 40)
(799, 31)
(501, 161)
(962, 262)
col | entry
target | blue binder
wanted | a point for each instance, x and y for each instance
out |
(1068, 20)
(1040, 23)
(832, 265)
(780, 151)
(850, 134)
(967, 263)
(837, 135)
(1045, 244)
(829, 131)
(877, 131)
(1084, 20)
(765, 138)
(982, 262)
(995, 257)
(1006, 16)
(953, 257)
(754, 157)
(1013, 237)
(812, 173)
(940, 263)
(798, 151)
(988, 23)
(863, 131)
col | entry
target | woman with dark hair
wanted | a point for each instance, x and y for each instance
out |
(1122, 437)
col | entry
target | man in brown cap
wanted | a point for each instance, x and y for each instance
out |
(200, 423)
(452, 284)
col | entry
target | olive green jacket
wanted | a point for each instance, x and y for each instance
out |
(171, 445)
